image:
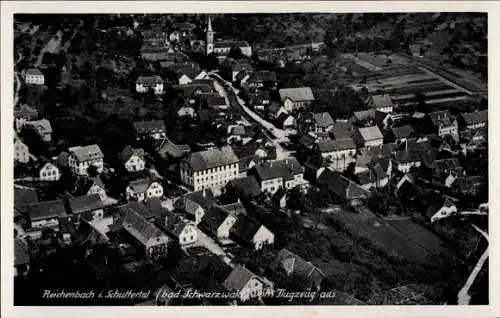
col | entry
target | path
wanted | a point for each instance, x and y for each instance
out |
(463, 295)
(445, 80)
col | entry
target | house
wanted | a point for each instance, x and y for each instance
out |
(438, 207)
(186, 73)
(144, 235)
(275, 110)
(443, 123)
(231, 69)
(132, 158)
(196, 203)
(369, 136)
(90, 185)
(286, 173)
(49, 172)
(145, 84)
(248, 232)
(407, 190)
(445, 171)
(34, 76)
(143, 189)
(224, 47)
(381, 103)
(23, 197)
(184, 233)
(473, 121)
(45, 214)
(152, 128)
(245, 283)
(21, 151)
(362, 116)
(340, 186)
(296, 98)
(402, 133)
(313, 167)
(211, 168)
(374, 177)
(244, 188)
(42, 127)
(286, 121)
(22, 114)
(82, 157)
(335, 149)
(21, 257)
(292, 265)
(214, 101)
(168, 149)
(321, 122)
(260, 79)
(280, 198)
(260, 100)
(405, 160)
(89, 207)
(217, 222)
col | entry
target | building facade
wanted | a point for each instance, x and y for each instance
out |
(49, 172)
(21, 151)
(82, 157)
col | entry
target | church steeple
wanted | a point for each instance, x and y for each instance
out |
(210, 37)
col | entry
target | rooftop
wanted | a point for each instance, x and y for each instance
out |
(212, 158)
(370, 133)
(86, 153)
(296, 94)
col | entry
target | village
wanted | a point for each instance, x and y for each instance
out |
(150, 153)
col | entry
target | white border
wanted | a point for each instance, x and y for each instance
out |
(8, 8)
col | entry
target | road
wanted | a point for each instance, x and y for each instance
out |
(275, 135)
(463, 295)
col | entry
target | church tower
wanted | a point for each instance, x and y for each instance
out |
(210, 37)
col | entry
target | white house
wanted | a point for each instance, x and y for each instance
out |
(185, 233)
(338, 148)
(444, 123)
(439, 207)
(249, 232)
(381, 103)
(34, 76)
(405, 160)
(217, 222)
(475, 120)
(21, 151)
(49, 172)
(82, 157)
(132, 159)
(286, 173)
(212, 168)
(224, 47)
(145, 83)
(369, 136)
(197, 203)
(245, 283)
(45, 214)
(143, 189)
(89, 186)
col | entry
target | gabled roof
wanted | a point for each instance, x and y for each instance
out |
(286, 169)
(381, 101)
(128, 152)
(34, 71)
(231, 43)
(274, 108)
(141, 185)
(370, 133)
(150, 125)
(296, 94)
(214, 217)
(205, 198)
(385, 150)
(341, 186)
(323, 119)
(23, 198)
(441, 118)
(171, 149)
(405, 131)
(446, 164)
(287, 260)
(86, 153)
(476, 117)
(307, 141)
(408, 156)
(149, 80)
(238, 278)
(341, 126)
(85, 203)
(172, 223)
(83, 184)
(247, 186)
(211, 158)
(47, 209)
(328, 145)
(235, 208)
(26, 112)
(191, 70)
(364, 114)
(263, 76)
(140, 228)
(373, 175)
(245, 228)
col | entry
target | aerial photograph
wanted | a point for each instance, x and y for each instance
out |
(263, 159)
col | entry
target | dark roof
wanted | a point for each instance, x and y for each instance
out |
(149, 80)
(328, 145)
(140, 228)
(373, 175)
(211, 158)
(274, 108)
(245, 228)
(21, 253)
(341, 186)
(205, 198)
(441, 118)
(189, 69)
(364, 114)
(408, 190)
(34, 71)
(407, 156)
(235, 208)
(172, 223)
(285, 259)
(307, 141)
(446, 164)
(263, 76)
(149, 126)
(230, 43)
(434, 202)
(141, 185)
(128, 152)
(247, 150)
(385, 150)
(169, 148)
(85, 203)
(86, 153)
(341, 126)
(238, 278)
(247, 186)
(23, 198)
(83, 185)
(380, 101)
(476, 117)
(189, 90)
(214, 217)
(47, 209)
(405, 131)
(286, 169)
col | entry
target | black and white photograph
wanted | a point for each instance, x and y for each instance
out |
(249, 158)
